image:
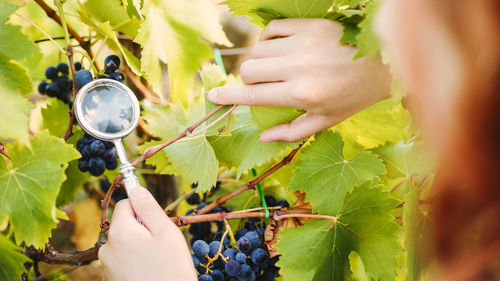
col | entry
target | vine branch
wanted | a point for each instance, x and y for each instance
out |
(3, 150)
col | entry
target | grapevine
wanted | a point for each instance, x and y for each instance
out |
(348, 192)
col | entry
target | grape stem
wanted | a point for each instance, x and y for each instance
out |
(250, 184)
(141, 87)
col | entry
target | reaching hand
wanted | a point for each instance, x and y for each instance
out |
(153, 251)
(300, 63)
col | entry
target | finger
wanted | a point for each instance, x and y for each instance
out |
(264, 70)
(123, 213)
(272, 48)
(281, 28)
(302, 127)
(148, 210)
(265, 94)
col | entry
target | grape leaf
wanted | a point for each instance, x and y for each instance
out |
(6, 9)
(55, 117)
(212, 76)
(326, 176)
(181, 24)
(244, 148)
(376, 125)
(30, 184)
(17, 46)
(86, 216)
(417, 232)
(267, 117)
(319, 249)
(11, 263)
(194, 159)
(100, 11)
(368, 44)
(74, 177)
(14, 108)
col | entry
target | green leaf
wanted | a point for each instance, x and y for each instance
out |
(194, 160)
(55, 117)
(100, 11)
(212, 76)
(14, 44)
(267, 117)
(74, 177)
(378, 124)
(319, 249)
(368, 44)
(326, 176)
(14, 108)
(30, 185)
(181, 25)
(11, 263)
(417, 233)
(244, 148)
(351, 32)
(6, 9)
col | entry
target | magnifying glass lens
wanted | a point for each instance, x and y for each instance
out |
(108, 110)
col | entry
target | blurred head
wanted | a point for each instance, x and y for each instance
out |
(447, 53)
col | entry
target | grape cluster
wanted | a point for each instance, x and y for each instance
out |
(97, 155)
(111, 64)
(248, 260)
(118, 194)
(61, 86)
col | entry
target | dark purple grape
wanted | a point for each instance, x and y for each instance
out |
(83, 165)
(78, 66)
(240, 257)
(51, 73)
(283, 204)
(108, 144)
(109, 155)
(111, 165)
(217, 275)
(259, 256)
(244, 245)
(97, 165)
(205, 277)
(246, 272)
(201, 248)
(270, 201)
(194, 199)
(240, 233)
(63, 68)
(118, 76)
(196, 261)
(83, 77)
(230, 253)
(233, 268)
(254, 237)
(86, 151)
(42, 87)
(214, 248)
(111, 63)
(53, 90)
(97, 148)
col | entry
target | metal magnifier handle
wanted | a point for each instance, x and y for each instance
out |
(130, 180)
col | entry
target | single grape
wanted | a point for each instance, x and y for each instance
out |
(214, 248)
(230, 253)
(108, 144)
(83, 165)
(82, 77)
(259, 256)
(270, 201)
(97, 148)
(246, 272)
(111, 165)
(118, 76)
(201, 248)
(51, 73)
(109, 155)
(196, 261)
(283, 204)
(219, 264)
(254, 237)
(240, 233)
(233, 268)
(78, 66)
(53, 90)
(201, 206)
(97, 165)
(194, 199)
(63, 68)
(244, 245)
(112, 62)
(205, 277)
(240, 257)
(86, 151)
(217, 275)
(42, 87)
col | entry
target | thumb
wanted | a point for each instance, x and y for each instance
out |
(147, 209)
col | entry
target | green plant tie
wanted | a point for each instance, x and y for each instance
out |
(262, 199)
(220, 63)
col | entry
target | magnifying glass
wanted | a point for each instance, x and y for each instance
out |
(108, 110)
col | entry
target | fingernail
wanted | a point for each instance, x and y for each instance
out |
(212, 95)
(138, 193)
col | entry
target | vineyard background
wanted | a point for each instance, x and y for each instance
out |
(370, 172)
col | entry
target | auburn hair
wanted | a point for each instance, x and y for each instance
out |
(466, 211)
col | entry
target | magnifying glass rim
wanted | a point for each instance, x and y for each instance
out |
(86, 126)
